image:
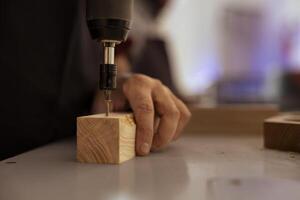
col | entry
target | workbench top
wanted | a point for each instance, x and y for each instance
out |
(194, 167)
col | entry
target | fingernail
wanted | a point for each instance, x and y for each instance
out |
(145, 148)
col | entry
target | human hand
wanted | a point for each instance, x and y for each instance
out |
(160, 116)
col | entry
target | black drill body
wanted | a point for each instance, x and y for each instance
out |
(109, 23)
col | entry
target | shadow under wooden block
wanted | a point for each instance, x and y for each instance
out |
(282, 132)
(107, 140)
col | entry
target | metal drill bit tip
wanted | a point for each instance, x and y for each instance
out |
(107, 99)
(108, 108)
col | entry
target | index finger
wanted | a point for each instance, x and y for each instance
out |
(143, 109)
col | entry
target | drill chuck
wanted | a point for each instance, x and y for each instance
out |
(108, 70)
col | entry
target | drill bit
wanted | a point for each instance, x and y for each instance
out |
(107, 99)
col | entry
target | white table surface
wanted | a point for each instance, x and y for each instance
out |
(195, 167)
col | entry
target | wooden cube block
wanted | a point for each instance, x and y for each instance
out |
(282, 132)
(107, 140)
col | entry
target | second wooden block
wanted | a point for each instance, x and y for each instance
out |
(282, 132)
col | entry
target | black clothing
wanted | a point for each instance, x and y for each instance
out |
(155, 61)
(49, 71)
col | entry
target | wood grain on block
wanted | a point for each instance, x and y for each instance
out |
(282, 132)
(107, 140)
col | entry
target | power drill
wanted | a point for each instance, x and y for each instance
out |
(109, 22)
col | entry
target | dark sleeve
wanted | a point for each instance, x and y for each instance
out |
(48, 71)
(153, 61)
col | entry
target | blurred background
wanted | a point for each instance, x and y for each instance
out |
(220, 51)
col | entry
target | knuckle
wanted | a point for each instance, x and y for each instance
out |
(158, 82)
(186, 115)
(142, 81)
(146, 79)
(136, 88)
(174, 112)
(144, 108)
(167, 90)
(140, 78)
